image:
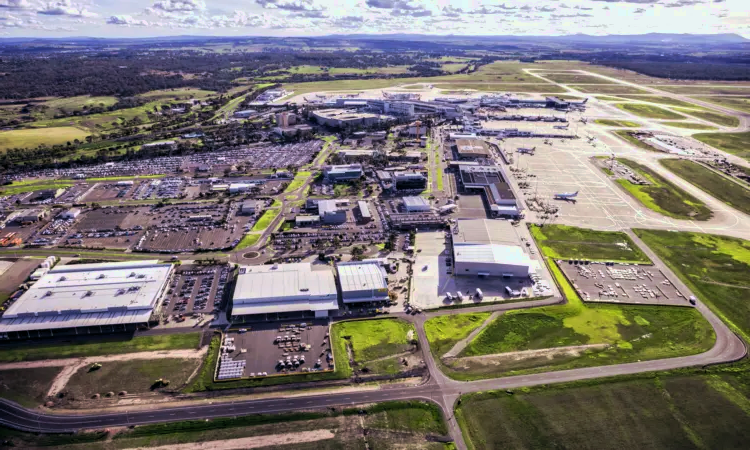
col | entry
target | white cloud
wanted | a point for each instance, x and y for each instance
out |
(64, 8)
(15, 4)
(126, 20)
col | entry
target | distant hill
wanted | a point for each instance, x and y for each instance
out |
(649, 38)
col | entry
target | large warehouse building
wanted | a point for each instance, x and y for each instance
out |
(489, 248)
(283, 291)
(88, 299)
(363, 281)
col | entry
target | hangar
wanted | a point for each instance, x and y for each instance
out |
(88, 299)
(362, 281)
(485, 248)
(283, 291)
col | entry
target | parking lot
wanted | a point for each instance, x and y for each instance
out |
(109, 227)
(264, 346)
(263, 156)
(196, 289)
(619, 283)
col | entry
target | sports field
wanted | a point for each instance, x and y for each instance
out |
(32, 138)
(662, 195)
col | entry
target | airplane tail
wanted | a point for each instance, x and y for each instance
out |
(575, 193)
(585, 100)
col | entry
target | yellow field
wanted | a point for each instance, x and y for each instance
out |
(32, 138)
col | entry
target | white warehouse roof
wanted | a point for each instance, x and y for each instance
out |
(89, 295)
(284, 288)
(491, 253)
(355, 276)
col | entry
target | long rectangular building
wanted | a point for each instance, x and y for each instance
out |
(362, 281)
(489, 248)
(283, 291)
(88, 298)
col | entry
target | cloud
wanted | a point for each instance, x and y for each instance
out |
(304, 8)
(179, 6)
(503, 6)
(64, 8)
(583, 8)
(681, 3)
(15, 4)
(640, 11)
(412, 12)
(127, 21)
(524, 7)
(568, 16)
(546, 8)
(639, 2)
(486, 11)
(452, 12)
(347, 22)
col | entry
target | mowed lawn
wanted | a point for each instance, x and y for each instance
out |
(661, 100)
(734, 143)
(617, 123)
(104, 345)
(716, 268)
(616, 89)
(689, 125)
(32, 138)
(27, 387)
(378, 338)
(670, 413)
(662, 195)
(443, 332)
(713, 117)
(265, 220)
(738, 103)
(649, 111)
(730, 192)
(134, 377)
(566, 242)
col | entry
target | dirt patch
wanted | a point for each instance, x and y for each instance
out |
(252, 442)
(512, 358)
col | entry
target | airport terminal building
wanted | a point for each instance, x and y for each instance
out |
(283, 291)
(88, 299)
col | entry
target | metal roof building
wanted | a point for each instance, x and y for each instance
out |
(85, 298)
(483, 247)
(416, 204)
(362, 281)
(283, 291)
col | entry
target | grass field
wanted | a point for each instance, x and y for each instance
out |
(248, 240)
(649, 111)
(715, 268)
(617, 123)
(711, 116)
(738, 103)
(631, 333)
(443, 332)
(32, 138)
(662, 101)
(33, 185)
(298, 181)
(574, 78)
(69, 105)
(734, 143)
(625, 134)
(662, 196)
(616, 89)
(607, 98)
(265, 220)
(101, 346)
(501, 87)
(565, 242)
(134, 377)
(689, 125)
(27, 387)
(671, 412)
(719, 186)
(377, 339)
(708, 90)
(397, 424)
(177, 94)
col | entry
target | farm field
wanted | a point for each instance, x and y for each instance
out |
(665, 411)
(734, 143)
(715, 268)
(617, 123)
(606, 89)
(566, 242)
(27, 387)
(738, 103)
(714, 117)
(106, 345)
(389, 425)
(32, 138)
(134, 377)
(689, 125)
(376, 341)
(649, 111)
(719, 186)
(662, 196)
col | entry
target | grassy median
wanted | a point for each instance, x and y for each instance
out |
(735, 143)
(728, 191)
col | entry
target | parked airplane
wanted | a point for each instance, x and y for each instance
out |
(562, 127)
(566, 196)
(527, 151)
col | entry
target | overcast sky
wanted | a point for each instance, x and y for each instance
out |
(141, 18)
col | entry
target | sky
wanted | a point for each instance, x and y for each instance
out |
(149, 18)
